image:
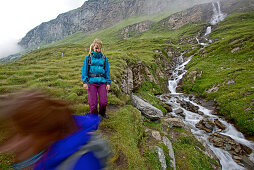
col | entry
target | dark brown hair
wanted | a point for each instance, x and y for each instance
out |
(32, 113)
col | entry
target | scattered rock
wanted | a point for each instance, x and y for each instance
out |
(235, 49)
(167, 107)
(168, 143)
(219, 124)
(149, 75)
(127, 81)
(189, 106)
(156, 135)
(247, 162)
(227, 143)
(206, 125)
(200, 113)
(215, 88)
(173, 122)
(146, 109)
(178, 111)
(161, 158)
(231, 81)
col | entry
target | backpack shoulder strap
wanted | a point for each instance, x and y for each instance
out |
(90, 59)
(89, 62)
(104, 61)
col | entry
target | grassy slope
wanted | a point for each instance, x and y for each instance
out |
(219, 65)
(61, 77)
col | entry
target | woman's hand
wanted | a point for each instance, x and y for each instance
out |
(108, 87)
(85, 86)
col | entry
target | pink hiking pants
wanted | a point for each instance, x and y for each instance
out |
(93, 90)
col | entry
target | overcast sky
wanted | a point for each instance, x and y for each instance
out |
(17, 17)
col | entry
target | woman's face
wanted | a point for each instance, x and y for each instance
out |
(97, 49)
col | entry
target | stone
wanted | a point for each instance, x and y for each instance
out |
(206, 125)
(167, 107)
(200, 113)
(247, 162)
(168, 143)
(148, 110)
(149, 75)
(237, 158)
(173, 122)
(219, 124)
(162, 158)
(127, 81)
(178, 111)
(235, 49)
(156, 135)
(227, 143)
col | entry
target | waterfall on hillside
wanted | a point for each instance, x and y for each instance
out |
(216, 18)
(208, 30)
(177, 74)
(217, 14)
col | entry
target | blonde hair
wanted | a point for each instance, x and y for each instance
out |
(96, 42)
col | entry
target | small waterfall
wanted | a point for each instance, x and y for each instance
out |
(208, 30)
(203, 44)
(177, 74)
(217, 14)
(216, 18)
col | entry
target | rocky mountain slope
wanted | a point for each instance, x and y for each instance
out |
(95, 15)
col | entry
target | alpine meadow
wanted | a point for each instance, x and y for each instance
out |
(182, 79)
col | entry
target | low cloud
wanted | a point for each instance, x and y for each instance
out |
(9, 47)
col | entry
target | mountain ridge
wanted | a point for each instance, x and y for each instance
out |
(96, 15)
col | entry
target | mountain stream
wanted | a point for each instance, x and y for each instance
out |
(201, 120)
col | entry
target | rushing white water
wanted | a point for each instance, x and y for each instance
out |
(178, 73)
(217, 14)
(203, 44)
(191, 118)
(208, 30)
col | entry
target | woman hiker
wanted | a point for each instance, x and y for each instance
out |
(96, 78)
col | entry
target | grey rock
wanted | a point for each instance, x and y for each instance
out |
(146, 109)
(162, 158)
(127, 81)
(156, 135)
(178, 111)
(167, 142)
(174, 122)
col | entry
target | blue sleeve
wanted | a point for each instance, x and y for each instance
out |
(85, 70)
(107, 70)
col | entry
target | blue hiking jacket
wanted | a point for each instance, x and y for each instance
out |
(96, 67)
(64, 148)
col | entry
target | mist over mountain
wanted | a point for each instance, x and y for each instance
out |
(95, 15)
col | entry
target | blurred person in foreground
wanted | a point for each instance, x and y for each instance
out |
(43, 134)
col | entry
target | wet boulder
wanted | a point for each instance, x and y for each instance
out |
(189, 106)
(238, 150)
(219, 124)
(180, 112)
(206, 125)
(167, 107)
